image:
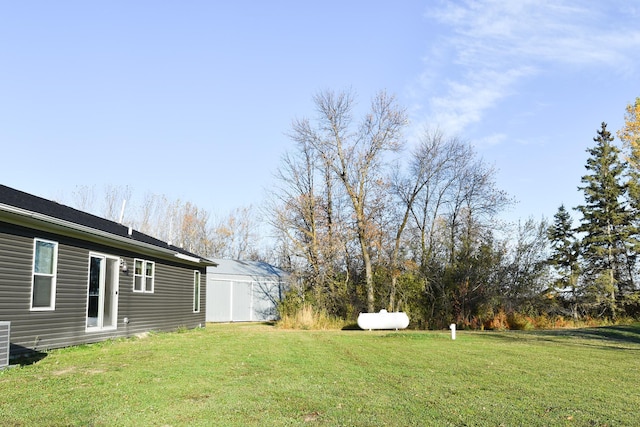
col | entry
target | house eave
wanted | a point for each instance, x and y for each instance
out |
(26, 218)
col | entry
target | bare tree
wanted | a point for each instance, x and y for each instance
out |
(235, 236)
(420, 192)
(305, 209)
(114, 201)
(153, 215)
(192, 230)
(83, 198)
(355, 154)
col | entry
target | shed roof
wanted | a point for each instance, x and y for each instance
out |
(234, 267)
(24, 208)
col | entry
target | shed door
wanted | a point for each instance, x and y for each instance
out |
(102, 296)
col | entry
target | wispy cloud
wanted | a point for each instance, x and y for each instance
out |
(466, 99)
(490, 46)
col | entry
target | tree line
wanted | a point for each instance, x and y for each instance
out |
(181, 223)
(595, 262)
(365, 221)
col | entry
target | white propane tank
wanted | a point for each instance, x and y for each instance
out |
(383, 320)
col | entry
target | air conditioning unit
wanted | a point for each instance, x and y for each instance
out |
(5, 328)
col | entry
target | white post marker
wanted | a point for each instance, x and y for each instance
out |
(453, 331)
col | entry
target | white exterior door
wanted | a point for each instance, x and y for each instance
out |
(102, 292)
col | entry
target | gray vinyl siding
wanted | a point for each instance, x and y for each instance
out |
(170, 306)
(4, 344)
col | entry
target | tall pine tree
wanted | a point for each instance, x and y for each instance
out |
(565, 253)
(606, 223)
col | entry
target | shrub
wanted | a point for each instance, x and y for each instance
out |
(542, 322)
(562, 322)
(519, 322)
(497, 322)
(474, 323)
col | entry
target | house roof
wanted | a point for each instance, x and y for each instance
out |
(232, 267)
(24, 208)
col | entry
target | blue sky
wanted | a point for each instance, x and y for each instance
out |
(193, 99)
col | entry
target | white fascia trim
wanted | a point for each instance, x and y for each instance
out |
(187, 257)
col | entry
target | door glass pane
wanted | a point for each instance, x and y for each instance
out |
(94, 291)
(196, 291)
(109, 292)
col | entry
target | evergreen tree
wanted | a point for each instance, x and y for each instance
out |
(565, 252)
(606, 222)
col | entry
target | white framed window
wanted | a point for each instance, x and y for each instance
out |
(196, 291)
(143, 275)
(45, 267)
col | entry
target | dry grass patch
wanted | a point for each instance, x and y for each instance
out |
(308, 318)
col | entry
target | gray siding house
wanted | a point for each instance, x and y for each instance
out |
(68, 277)
(244, 291)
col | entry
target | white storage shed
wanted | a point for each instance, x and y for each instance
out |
(244, 291)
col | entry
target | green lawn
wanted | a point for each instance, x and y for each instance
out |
(250, 374)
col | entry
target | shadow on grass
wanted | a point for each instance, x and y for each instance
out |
(25, 356)
(351, 327)
(611, 337)
(268, 323)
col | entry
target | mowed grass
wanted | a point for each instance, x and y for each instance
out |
(258, 375)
